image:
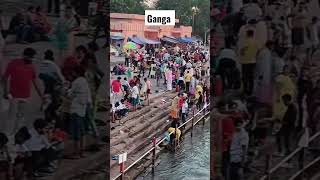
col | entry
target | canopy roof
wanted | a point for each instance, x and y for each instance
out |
(170, 39)
(142, 40)
(186, 40)
(116, 36)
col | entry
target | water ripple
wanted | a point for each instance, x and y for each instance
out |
(190, 162)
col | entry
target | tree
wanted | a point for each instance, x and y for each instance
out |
(128, 6)
(184, 13)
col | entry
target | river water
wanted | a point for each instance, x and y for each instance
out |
(190, 162)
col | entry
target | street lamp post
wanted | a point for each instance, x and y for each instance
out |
(194, 10)
(205, 35)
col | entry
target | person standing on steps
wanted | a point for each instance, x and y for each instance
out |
(148, 86)
(17, 81)
(248, 55)
(238, 150)
(135, 96)
(288, 124)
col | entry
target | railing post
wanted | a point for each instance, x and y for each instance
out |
(122, 170)
(268, 163)
(204, 113)
(175, 138)
(154, 143)
(192, 119)
(301, 161)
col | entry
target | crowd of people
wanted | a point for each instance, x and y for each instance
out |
(69, 106)
(182, 69)
(33, 24)
(267, 69)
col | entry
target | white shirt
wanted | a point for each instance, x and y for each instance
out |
(80, 94)
(185, 107)
(120, 107)
(184, 62)
(228, 53)
(189, 65)
(135, 92)
(50, 68)
(37, 141)
(239, 140)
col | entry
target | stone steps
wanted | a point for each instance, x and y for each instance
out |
(135, 134)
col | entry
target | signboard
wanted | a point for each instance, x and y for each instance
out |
(122, 158)
(159, 17)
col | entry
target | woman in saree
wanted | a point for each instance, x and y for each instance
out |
(192, 89)
(64, 33)
(169, 77)
(174, 108)
(263, 78)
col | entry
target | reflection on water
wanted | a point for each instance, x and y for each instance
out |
(190, 162)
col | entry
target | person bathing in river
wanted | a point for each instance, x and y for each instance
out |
(175, 133)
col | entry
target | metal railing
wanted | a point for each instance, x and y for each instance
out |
(155, 144)
(298, 153)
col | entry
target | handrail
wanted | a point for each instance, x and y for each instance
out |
(276, 167)
(159, 142)
(308, 166)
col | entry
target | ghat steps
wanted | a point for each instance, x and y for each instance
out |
(136, 131)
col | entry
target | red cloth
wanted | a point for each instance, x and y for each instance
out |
(132, 54)
(218, 87)
(228, 129)
(132, 82)
(59, 135)
(69, 65)
(116, 86)
(196, 57)
(21, 76)
(180, 103)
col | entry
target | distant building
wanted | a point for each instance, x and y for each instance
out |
(130, 25)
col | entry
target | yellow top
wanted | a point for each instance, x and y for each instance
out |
(173, 130)
(187, 77)
(248, 52)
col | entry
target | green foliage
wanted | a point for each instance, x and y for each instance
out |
(127, 6)
(183, 10)
(184, 13)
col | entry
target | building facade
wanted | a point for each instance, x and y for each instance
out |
(133, 25)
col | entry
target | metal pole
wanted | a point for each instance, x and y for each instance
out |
(217, 127)
(204, 112)
(193, 22)
(301, 161)
(175, 138)
(268, 163)
(122, 170)
(154, 141)
(205, 38)
(192, 119)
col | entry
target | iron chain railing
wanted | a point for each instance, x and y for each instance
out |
(300, 152)
(155, 144)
